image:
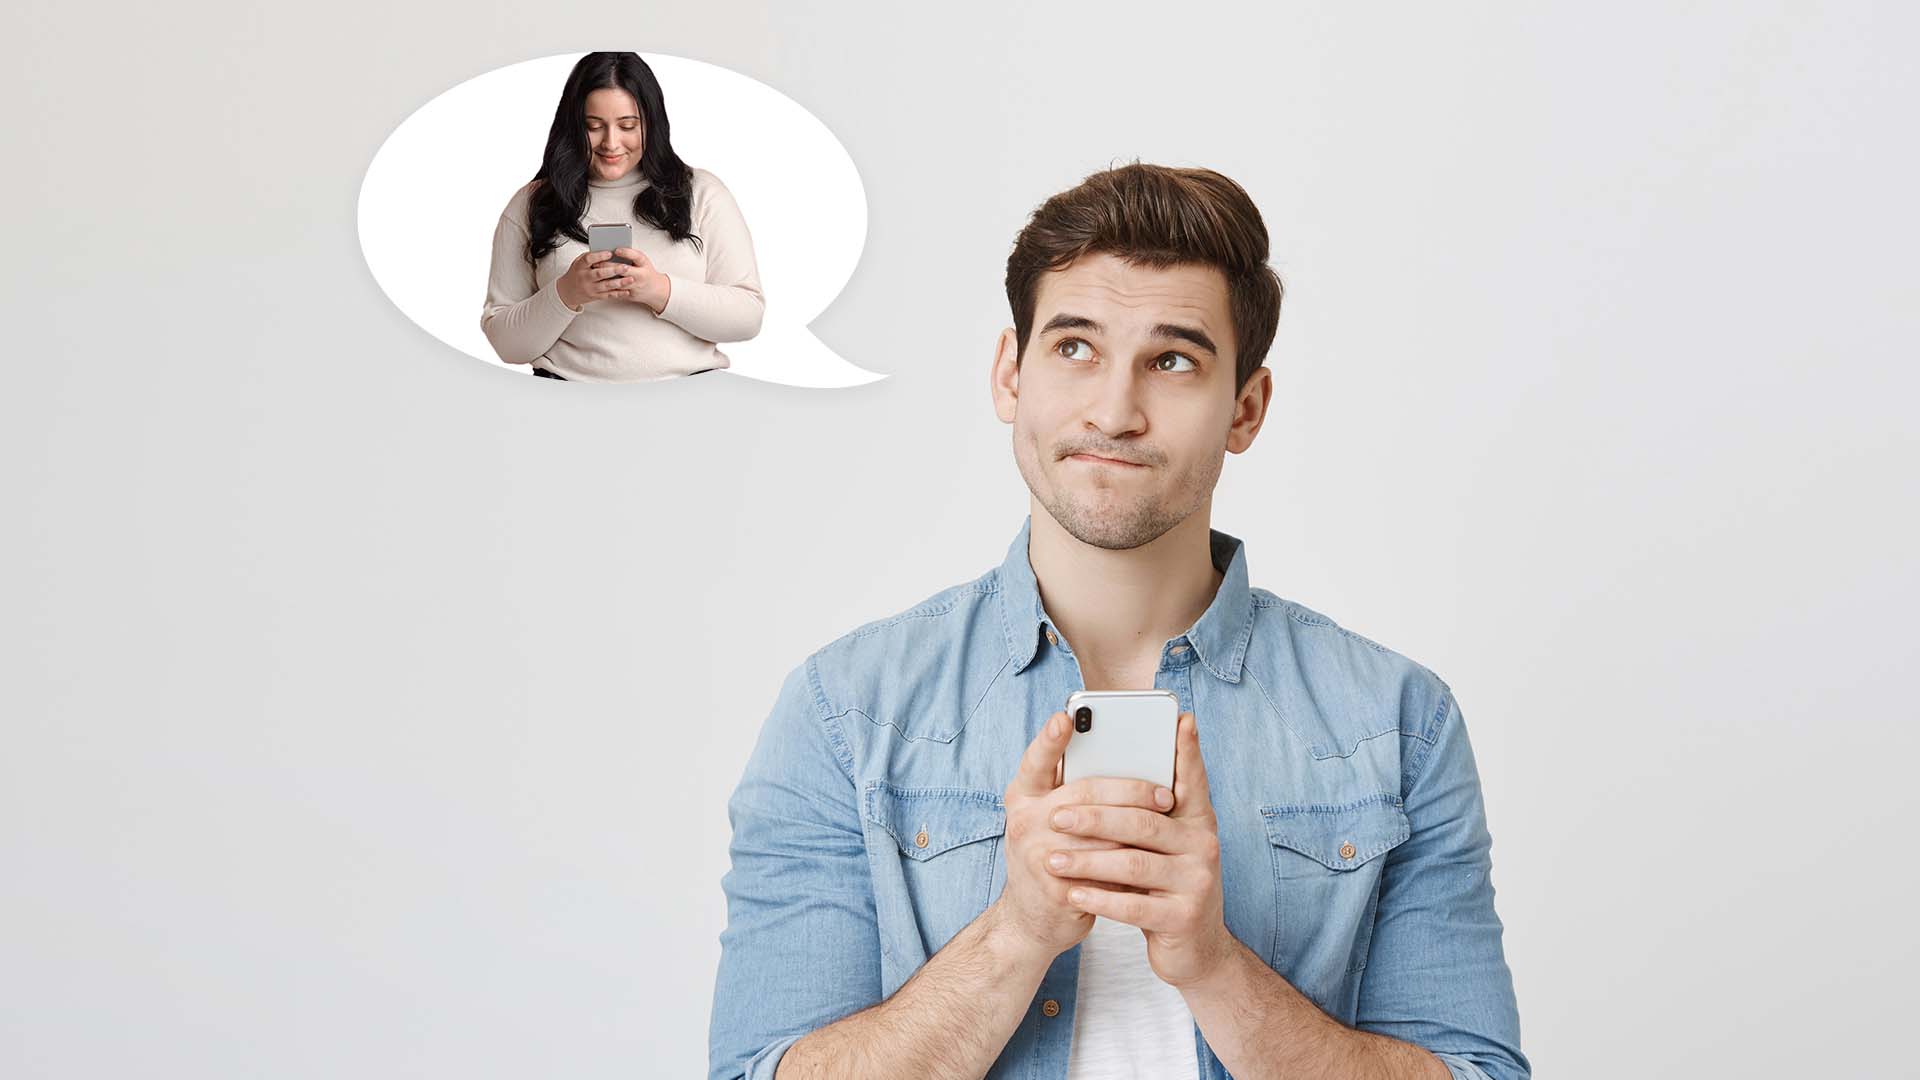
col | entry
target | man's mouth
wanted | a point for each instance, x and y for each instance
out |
(1096, 459)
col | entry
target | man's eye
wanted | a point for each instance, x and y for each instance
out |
(1074, 349)
(1174, 361)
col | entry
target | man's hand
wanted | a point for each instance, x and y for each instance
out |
(1034, 903)
(645, 284)
(1169, 865)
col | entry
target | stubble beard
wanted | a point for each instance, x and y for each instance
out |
(1100, 516)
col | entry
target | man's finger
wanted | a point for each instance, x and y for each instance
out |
(1143, 870)
(1190, 795)
(1035, 776)
(1137, 909)
(1115, 791)
(1129, 826)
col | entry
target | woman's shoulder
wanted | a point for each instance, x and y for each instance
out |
(519, 203)
(706, 185)
(710, 196)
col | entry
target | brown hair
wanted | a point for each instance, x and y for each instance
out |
(1156, 216)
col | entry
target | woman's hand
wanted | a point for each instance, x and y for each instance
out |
(594, 277)
(648, 285)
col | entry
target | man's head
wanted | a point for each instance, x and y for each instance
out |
(1143, 307)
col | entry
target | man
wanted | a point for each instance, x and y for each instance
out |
(912, 896)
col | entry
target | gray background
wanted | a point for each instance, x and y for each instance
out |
(370, 711)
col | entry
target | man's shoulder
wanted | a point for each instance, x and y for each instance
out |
(908, 669)
(1296, 649)
(1293, 624)
(947, 618)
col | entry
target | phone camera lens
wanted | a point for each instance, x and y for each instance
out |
(1083, 720)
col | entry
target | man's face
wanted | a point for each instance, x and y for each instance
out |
(1123, 404)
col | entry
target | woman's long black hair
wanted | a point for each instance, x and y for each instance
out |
(666, 202)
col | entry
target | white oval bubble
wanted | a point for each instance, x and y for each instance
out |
(437, 185)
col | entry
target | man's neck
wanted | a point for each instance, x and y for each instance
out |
(1117, 608)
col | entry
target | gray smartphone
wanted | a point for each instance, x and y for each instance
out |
(1127, 733)
(608, 237)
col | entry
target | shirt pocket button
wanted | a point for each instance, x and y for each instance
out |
(943, 844)
(1327, 866)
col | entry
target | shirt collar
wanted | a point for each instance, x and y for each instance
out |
(1219, 638)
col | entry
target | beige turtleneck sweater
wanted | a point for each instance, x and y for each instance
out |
(714, 296)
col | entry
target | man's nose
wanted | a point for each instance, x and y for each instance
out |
(1115, 410)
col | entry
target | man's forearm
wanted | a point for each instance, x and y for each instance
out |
(948, 1022)
(1260, 1026)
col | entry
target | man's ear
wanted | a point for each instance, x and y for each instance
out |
(1250, 410)
(1006, 376)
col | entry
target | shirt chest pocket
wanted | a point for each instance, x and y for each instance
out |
(1327, 866)
(933, 852)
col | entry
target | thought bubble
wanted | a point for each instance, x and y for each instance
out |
(436, 187)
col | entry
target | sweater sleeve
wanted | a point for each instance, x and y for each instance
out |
(521, 318)
(727, 306)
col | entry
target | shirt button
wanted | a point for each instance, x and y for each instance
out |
(920, 838)
(1051, 640)
(1346, 851)
(1050, 1007)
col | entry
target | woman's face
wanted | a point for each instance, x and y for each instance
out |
(615, 132)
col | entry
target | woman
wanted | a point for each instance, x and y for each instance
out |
(575, 314)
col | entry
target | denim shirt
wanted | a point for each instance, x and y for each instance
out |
(1354, 854)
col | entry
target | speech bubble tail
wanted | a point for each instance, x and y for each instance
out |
(796, 358)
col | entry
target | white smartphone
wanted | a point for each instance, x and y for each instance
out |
(1127, 733)
(608, 237)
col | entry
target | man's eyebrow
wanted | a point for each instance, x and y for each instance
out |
(1072, 322)
(1192, 335)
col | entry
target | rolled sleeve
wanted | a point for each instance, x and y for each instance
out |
(1436, 975)
(801, 948)
(1460, 1067)
(765, 1064)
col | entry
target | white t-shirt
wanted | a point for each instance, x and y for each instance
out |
(1127, 1024)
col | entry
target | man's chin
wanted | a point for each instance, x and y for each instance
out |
(1113, 528)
